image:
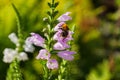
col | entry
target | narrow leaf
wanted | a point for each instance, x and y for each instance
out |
(49, 13)
(56, 4)
(55, 13)
(49, 4)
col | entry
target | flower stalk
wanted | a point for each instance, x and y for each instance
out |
(45, 72)
(57, 41)
(62, 70)
(20, 36)
(51, 22)
(15, 56)
(14, 72)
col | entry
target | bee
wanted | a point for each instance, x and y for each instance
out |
(65, 30)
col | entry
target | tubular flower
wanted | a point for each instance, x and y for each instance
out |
(28, 47)
(67, 55)
(9, 55)
(36, 39)
(13, 38)
(43, 54)
(52, 64)
(60, 46)
(22, 56)
(64, 17)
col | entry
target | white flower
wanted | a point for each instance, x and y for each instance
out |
(28, 47)
(9, 55)
(13, 38)
(22, 56)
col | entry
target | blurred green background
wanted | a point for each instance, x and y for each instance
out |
(96, 38)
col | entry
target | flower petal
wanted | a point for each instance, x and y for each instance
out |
(58, 26)
(64, 17)
(13, 38)
(22, 56)
(52, 64)
(43, 54)
(67, 55)
(57, 35)
(28, 47)
(36, 39)
(60, 46)
(9, 55)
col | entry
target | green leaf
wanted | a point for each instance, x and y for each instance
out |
(49, 13)
(56, 4)
(49, 4)
(73, 28)
(55, 13)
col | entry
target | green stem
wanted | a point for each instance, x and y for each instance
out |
(20, 36)
(50, 74)
(45, 72)
(52, 4)
(14, 72)
(62, 70)
(51, 25)
(52, 16)
(52, 1)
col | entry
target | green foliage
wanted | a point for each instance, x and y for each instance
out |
(14, 72)
(116, 72)
(101, 72)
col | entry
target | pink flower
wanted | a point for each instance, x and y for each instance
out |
(60, 46)
(52, 64)
(67, 55)
(43, 54)
(36, 39)
(64, 17)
